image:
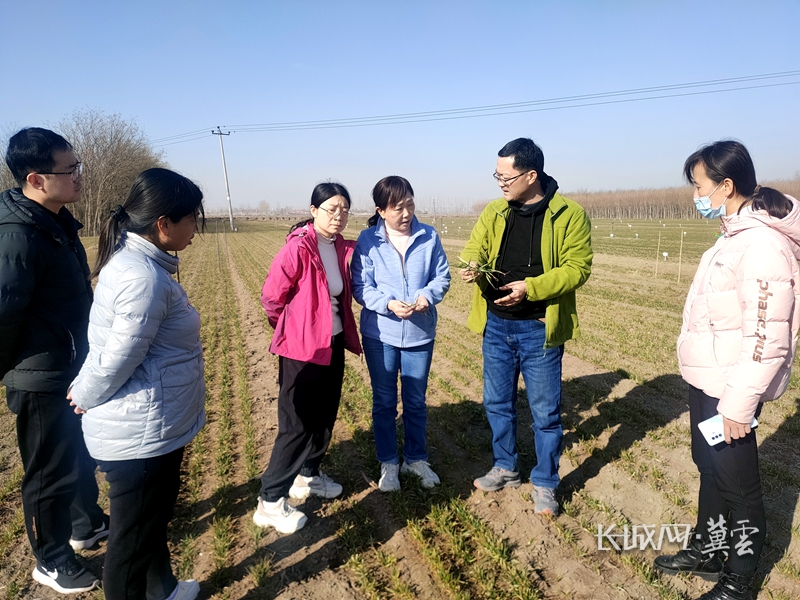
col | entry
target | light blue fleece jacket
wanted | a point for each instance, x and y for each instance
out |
(379, 277)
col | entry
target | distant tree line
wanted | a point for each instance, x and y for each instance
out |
(649, 203)
(665, 203)
(113, 152)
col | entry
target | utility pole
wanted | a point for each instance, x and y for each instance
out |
(433, 199)
(225, 172)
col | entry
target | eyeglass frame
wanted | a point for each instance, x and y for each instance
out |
(501, 181)
(78, 168)
(345, 213)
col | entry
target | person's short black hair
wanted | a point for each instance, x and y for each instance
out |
(31, 150)
(527, 155)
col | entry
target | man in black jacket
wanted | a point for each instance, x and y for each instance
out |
(45, 296)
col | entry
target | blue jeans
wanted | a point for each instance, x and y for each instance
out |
(510, 348)
(384, 362)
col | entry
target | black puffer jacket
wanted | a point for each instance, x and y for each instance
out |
(45, 296)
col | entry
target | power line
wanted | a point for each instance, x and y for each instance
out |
(564, 99)
(561, 103)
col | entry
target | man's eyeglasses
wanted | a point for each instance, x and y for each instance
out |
(339, 212)
(74, 174)
(502, 181)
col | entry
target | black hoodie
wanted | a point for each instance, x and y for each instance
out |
(521, 254)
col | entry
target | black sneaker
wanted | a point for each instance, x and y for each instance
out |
(69, 577)
(94, 537)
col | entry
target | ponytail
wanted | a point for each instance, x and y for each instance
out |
(770, 200)
(373, 220)
(300, 224)
(109, 238)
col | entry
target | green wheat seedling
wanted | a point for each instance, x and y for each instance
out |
(12, 590)
(787, 567)
(221, 544)
(450, 582)
(498, 551)
(245, 403)
(196, 462)
(483, 269)
(12, 531)
(366, 580)
(644, 569)
(256, 534)
(187, 554)
(260, 571)
(11, 484)
(453, 533)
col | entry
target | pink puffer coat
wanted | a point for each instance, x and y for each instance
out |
(298, 302)
(740, 321)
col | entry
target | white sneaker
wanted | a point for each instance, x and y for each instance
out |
(94, 537)
(423, 470)
(321, 485)
(186, 590)
(390, 482)
(281, 515)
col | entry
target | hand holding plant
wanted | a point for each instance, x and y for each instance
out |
(472, 271)
(421, 304)
(401, 309)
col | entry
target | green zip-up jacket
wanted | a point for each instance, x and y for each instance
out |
(566, 257)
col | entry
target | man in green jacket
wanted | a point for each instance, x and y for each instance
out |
(539, 245)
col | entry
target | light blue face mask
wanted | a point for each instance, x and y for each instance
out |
(703, 204)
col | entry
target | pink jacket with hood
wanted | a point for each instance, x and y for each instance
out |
(298, 302)
(740, 321)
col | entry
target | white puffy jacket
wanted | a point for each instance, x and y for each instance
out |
(142, 384)
(741, 317)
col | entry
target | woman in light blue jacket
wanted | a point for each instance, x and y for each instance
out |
(141, 390)
(400, 273)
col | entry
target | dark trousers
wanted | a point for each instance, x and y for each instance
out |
(307, 406)
(730, 490)
(59, 489)
(142, 494)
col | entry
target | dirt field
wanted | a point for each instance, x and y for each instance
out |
(626, 458)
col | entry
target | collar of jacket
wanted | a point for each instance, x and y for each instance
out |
(307, 238)
(554, 207)
(39, 216)
(416, 230)
(138, 243)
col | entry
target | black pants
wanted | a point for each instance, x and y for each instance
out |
(730, 489)
(307, 406)
(142, 494)
(59, 489)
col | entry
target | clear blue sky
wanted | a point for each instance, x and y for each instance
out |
(181, 66)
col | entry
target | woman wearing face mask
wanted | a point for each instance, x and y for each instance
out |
(400, 273)
(308, 301)
(735, 350)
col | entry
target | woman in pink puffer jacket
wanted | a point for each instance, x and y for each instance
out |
(735, 350)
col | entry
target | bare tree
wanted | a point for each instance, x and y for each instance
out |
(113, 151)
(6, 179)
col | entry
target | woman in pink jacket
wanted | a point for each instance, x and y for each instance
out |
(735, 351)
(308, 297)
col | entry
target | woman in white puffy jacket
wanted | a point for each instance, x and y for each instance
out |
(141, 390)
(735, 350)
